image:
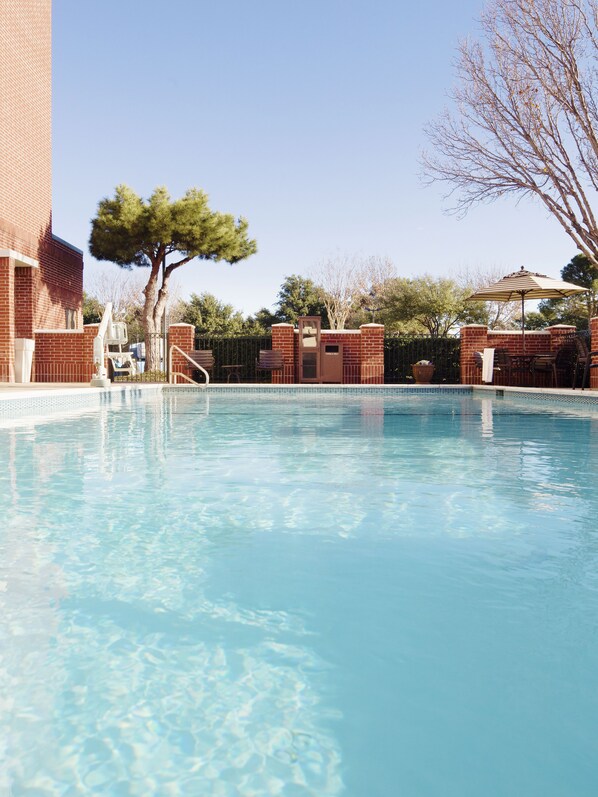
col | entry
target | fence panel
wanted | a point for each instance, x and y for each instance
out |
(155, 342)
(401, 352)
(242, 351)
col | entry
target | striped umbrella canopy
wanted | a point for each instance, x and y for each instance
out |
(522, 285)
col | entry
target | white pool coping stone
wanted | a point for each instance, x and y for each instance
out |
(19, 401)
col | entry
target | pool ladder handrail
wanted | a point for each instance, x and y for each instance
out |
(196, 366)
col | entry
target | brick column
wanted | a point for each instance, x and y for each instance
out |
(283, 339)
(474, 337)
(183, 336)
(558, 334)
(7, 325)
(372, 354)
(90, 332)
(594, 347)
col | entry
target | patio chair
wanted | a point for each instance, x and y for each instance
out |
(510, 364)
(269, 360)
(205, 359)
(583, 359)
(556, 364)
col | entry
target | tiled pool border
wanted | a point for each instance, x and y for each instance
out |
(41, 402)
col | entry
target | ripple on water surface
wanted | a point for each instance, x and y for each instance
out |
(364, 597)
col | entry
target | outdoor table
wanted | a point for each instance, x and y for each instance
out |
(233, 371)
(524, 364)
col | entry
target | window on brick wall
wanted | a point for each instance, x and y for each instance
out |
(70, 319)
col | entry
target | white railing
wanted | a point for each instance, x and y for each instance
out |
(196, 366)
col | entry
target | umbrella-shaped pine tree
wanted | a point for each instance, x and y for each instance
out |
(131, 231)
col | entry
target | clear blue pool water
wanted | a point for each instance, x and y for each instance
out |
(357, 596)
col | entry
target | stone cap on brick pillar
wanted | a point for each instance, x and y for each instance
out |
(181, 324)
(474, 326)
(558, 333)
(371, 326)
(283, 324)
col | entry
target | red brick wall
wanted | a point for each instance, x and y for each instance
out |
(363, 353)
(283, 339)
(32, 298)
(372, 354)
(6, 320)
(61, 357)
(594, 371)
(25, 117)
(183, 336)
(535, 342)
(473, 338)
(351, 343)
(477, 337)
(60, 285)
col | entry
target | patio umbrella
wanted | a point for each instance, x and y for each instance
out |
(522, 285)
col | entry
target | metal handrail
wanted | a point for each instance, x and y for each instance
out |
(196, 366)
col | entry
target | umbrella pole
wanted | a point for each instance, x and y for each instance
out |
(523, 321)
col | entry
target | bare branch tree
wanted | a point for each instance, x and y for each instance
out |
(501, 315)
(125, 290)
(525, 120)
(346, 281)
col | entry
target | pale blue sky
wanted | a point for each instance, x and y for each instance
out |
(304, 116)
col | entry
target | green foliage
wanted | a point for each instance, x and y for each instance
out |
(299, 296)
(264, 319)
(92, 309)
(209, 316)
(581, 271)
(433, 305)
(574, 310)
(132, 232)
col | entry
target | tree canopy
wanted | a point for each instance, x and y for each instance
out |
(525, 118)
(298, 296)
(162, 235)
(434, 305)
(575, 310)
(210, 316)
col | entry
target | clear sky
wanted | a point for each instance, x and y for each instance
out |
(304, 116)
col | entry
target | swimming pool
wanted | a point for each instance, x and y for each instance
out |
(349, 595)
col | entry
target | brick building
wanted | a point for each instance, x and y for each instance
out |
(41, 276)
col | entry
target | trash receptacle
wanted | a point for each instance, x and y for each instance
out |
(23, 359)
(332, 362)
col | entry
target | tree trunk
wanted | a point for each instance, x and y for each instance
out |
(151, 325)
(154, 309)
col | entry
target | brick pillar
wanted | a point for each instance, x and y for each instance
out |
(183, 336)
(90, 332)
(372, 354)
(594, 347)
(283, 339)
(7, 324)
(558, 333)
(474, 337)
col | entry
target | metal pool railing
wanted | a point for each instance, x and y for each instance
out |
(402, 351)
